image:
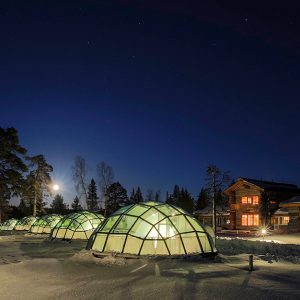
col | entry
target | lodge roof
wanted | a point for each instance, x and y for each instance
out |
(266, 185)
(220, 210)
(294, 200)
(263, 184)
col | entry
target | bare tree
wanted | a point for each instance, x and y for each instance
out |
(216, 179)
(79, 171)
(106, 177)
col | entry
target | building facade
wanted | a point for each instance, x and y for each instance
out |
(251, 200)
(292, 219)
(205, 216)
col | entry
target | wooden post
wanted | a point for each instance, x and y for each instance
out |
(251, 262)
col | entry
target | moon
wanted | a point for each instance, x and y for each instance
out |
(55, 187)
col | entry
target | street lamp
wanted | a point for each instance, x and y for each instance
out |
(264, 232)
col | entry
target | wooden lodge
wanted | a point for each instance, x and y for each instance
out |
(245, 201)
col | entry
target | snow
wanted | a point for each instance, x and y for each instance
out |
(33, 267)
(289, 252)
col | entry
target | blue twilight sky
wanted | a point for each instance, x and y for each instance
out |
(158, 91)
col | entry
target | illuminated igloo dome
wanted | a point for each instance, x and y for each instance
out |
(151, 228)
(25, 223)
(45, 224)
(78, 225)
(8, 224)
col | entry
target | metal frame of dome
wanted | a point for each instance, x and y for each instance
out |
(162, 229)
(8, 224)
(72, 226)
(45, 224)
(25, 223)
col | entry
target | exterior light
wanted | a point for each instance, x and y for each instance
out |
(263, 231)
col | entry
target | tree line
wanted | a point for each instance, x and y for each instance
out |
(29, 178)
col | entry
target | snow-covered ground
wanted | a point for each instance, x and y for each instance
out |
(35, 268)
(291, 238)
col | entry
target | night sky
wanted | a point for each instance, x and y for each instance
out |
(157, 90)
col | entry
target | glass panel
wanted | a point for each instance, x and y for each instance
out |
(109, 224)
(154, 247)
(191, 243)
(181, 224)
(195, 224)
(85, 226)
(133, 245)
(125, 224)
(167, 210)
(140, 229)
(166, 228)
(244, 220)
(256, 220)
(121, 210)
(115, 243)
(137, 210)
(152, 203)
(175, 246)
(153, 216)
(204, 240)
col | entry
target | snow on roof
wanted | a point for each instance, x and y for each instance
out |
(220, 210)
(270, 184)
(281, 211)
(294, 200)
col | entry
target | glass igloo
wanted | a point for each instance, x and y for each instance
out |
(152, 228)
(78, 225)
(45, 224)
(8, 224)
(25, 223)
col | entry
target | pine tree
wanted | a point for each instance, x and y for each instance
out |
(41, 180)
(202, 200)
(265, 209)
(12, 167)
(185, 201)
(76, 206)
(157, 196)
(221, 199)
(58, 206)
(132, 196)
(173, 198)
(92, 203)
(138, 197)
(24, 208)
(115, 197)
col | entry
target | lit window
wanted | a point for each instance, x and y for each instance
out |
(244, 200)
(250, 220)
(250, 200)
(286, 220)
